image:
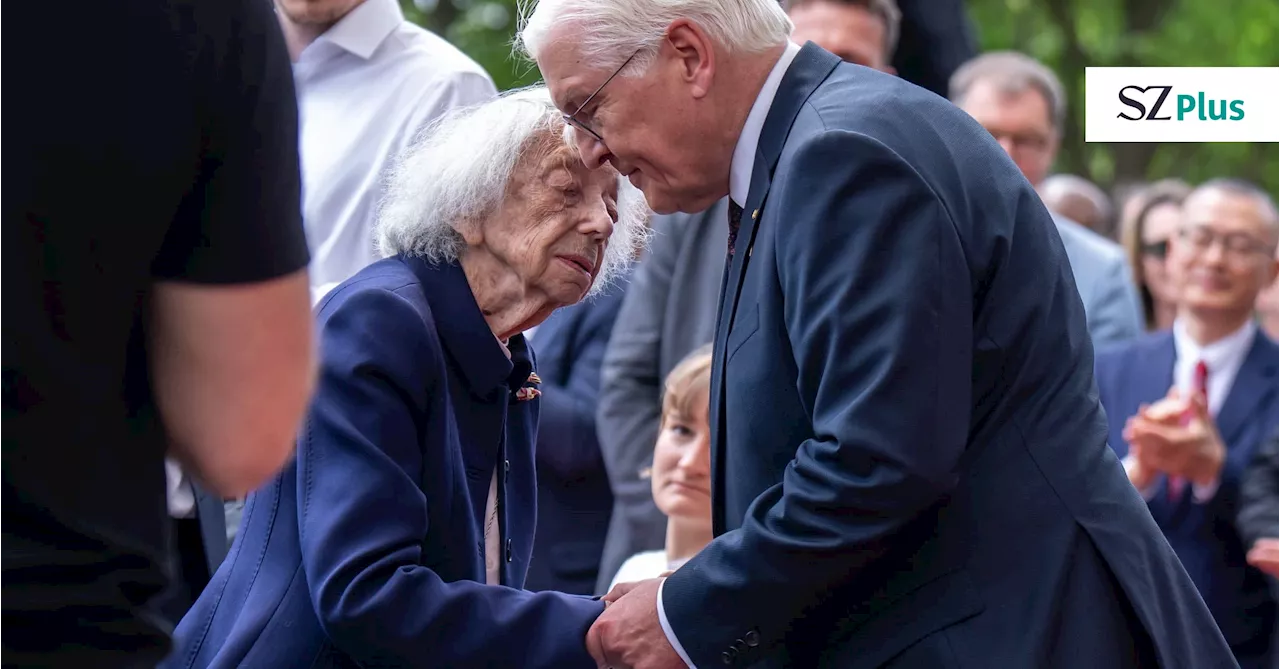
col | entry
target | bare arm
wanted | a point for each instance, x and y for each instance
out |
(232, 368)
(229, 324)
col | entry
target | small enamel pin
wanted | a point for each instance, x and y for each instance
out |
(529, 392)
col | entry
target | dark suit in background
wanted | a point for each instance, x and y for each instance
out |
(935, 38)
(910, 462)
(200, 547)
(1259, 516)
(368, 550)
(669, 310)
(1205, 536)
(574, 501)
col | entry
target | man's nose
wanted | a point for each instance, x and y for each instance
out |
(593, 151)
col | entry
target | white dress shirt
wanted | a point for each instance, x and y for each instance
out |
(181, 497)
(365, 88)
(744, 161)
(1222, 359)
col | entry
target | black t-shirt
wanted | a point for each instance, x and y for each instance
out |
(145, 140)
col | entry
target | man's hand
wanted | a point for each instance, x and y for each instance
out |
(621, 589)
(1265, 555)
(628, 635)
(1178, 437)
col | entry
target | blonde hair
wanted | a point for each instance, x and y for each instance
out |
(686, 382)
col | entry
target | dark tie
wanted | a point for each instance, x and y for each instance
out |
(735, 220)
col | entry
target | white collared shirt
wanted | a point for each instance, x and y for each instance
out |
(740, 168)
(744, 152)
(1223, 358)
(366, 87)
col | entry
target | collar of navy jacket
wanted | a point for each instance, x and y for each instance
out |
(809, 69)
(464, 332)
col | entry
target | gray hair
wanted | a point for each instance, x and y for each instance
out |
(1012, 73)
(885, 10)
(458, 170)
(1267, 211)
(607, 32)
(1067, 185)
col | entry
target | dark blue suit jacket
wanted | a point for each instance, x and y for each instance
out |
(367, 551)
(574, 499)
(1205, 536)
(909, 458)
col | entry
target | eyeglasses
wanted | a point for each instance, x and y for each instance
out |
(572, 120)
(1237, 244)
(1022, 142)
(1157, 250)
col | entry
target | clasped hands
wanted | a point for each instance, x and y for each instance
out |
(628, 634)
(1175, 436)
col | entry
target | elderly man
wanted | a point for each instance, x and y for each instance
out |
(670, 308)
(401, 535)
(1022, 104)
(909, 461)
(1216, 372)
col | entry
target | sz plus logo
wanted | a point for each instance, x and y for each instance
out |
(1160, 103)
(1181, 104)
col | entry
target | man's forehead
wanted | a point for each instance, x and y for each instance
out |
(563, 72)
(1228, 210)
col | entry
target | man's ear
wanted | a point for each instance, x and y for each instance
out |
(693, 53)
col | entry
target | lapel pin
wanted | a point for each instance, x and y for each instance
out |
(755, 214)
(527, 393)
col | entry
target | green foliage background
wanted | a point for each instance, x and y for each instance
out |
(1068, 35)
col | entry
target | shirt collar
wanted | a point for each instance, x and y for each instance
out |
(364, 28)
(744, 153)
(1227, 352)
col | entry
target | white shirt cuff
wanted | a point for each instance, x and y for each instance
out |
(1203, 494)
(666, 629)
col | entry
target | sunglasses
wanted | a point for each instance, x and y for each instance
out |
(1158, 250)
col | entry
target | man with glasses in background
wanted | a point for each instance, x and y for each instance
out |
(1022, 104)
(1189, 407)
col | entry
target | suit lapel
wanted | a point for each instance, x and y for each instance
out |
(810, 68)
(1254, 383)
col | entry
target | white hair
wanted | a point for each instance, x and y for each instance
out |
(607, 32)
(458, 170)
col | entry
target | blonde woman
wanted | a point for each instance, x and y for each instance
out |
(681, 472)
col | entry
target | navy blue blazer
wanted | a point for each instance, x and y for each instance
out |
(367, 550)
(574, 499)
(1205, 536)
(909, 461)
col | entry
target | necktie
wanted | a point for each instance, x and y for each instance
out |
(735, 221)
(1200, 386)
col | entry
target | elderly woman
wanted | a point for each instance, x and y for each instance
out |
(400, 537)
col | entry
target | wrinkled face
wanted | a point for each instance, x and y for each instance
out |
(316, 12)
(1224, 253)
(848, 31)
(649, 127)
(1158, 230)
(682, 464)
(553, 226)
(1021, 122)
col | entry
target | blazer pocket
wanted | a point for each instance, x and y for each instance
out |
(744, 325)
